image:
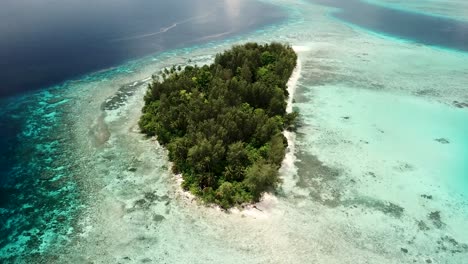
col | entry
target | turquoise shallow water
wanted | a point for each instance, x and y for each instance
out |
(428, 137)
(39, 196)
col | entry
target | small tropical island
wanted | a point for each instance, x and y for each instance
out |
(222, 123)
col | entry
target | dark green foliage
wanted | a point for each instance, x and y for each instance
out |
(260, 177)
(222, 123)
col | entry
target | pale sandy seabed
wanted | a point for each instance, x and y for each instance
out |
(381, 146)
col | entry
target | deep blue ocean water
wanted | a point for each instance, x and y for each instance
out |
(43, 43)
(429, 30)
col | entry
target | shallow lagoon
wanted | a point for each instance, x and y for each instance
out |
(373, 178)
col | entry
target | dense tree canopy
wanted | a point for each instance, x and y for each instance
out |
(222, 123)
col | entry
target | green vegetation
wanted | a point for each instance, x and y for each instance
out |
(222, 123)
